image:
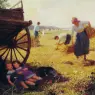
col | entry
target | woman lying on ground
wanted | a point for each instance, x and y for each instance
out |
(29, 77)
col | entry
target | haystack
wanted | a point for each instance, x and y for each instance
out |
(34, 42)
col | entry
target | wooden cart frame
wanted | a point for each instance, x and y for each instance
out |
(15, 40)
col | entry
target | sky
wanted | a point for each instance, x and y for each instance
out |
(58, 12)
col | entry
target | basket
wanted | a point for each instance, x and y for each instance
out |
(70, 49)
(90, 32)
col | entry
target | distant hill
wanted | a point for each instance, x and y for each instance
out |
(44, 27)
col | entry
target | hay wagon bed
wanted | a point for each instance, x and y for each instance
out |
(15, 39)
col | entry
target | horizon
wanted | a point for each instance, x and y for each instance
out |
(58, 13)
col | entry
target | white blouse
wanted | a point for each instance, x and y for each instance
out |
(62, 37)
(79, 28)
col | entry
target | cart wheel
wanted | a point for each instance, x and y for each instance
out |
(18, 48)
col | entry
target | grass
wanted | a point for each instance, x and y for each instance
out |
(47, 55)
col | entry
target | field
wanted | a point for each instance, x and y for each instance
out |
(47, 55)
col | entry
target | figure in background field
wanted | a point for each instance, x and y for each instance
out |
(81, 47)
(43, 32)
(63, 39)
(36, 33)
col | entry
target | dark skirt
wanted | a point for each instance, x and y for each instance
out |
(36, 33)
(81, 44)
(68, 39)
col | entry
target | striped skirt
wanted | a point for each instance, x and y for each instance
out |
(81, 44)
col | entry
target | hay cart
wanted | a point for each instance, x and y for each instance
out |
(15, 42)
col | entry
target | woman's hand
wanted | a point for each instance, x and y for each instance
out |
(89, 24)
(10, 82)
(20, 72)
(25, 69)
(56, 43)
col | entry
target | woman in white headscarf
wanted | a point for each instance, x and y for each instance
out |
(82, 41)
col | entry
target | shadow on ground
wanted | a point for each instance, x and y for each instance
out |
(89, 62)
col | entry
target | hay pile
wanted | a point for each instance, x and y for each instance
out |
(34, 42)
(65, 48)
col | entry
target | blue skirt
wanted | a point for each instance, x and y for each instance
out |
(81, 44)
(36, 33)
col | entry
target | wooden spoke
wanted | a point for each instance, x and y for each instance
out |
(21, 37)
(23, 42)
(7, 55)
(3, 48)
(18, 46)
(20, 53)
(11, 55)
(15, 54)
(15, 37)
(22, 48)
(4, 52)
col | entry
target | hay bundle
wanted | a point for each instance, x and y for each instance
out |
(66, 48)
(34, 42)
